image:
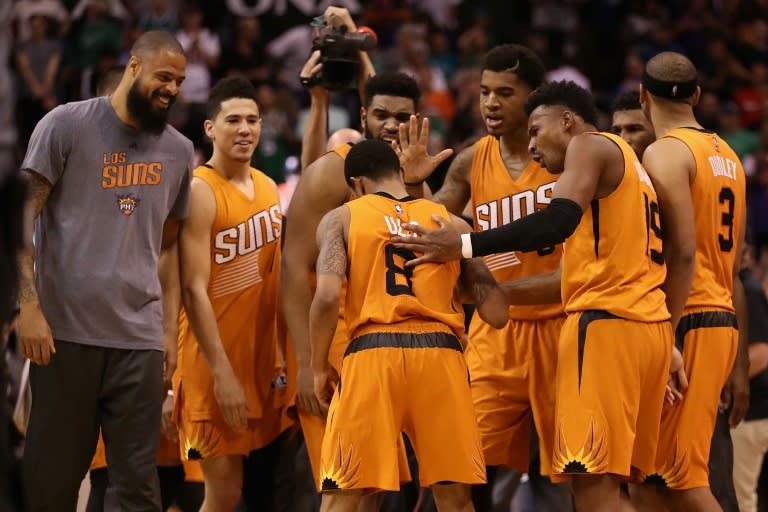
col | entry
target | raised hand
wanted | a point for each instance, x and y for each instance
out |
(415, 160)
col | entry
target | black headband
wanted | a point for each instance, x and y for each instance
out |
(670, 90)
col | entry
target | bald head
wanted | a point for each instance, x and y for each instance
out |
(671, 67)
(343, 136)
(153, 41)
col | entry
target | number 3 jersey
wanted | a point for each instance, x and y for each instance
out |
(718, 193)
(383, 295)
(613, 261)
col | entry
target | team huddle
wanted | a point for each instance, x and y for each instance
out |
(601, 271)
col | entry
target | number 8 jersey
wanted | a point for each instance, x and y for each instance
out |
(614, 261)
(718, 192)
(383, 295)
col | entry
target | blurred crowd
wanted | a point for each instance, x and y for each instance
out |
(56, 49)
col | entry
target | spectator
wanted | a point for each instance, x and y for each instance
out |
(159, 15)
(750, 437)
(246, 56)
(277, 136)
(291, 48)
(202, 50)
(8, 132)
(37, 60)
(25, 9)
(743, 142)
(97, 35)
(753, 100)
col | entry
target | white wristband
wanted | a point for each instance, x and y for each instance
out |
(466, 246)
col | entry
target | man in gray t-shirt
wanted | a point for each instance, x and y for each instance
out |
(109, 181)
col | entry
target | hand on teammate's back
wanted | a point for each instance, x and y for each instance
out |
(231, 399)
(415, 160)
(434, 245)
(35, 335)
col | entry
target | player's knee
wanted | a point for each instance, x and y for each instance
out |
(223, 496)
(452, 497)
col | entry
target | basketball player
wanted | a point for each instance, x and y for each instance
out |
(109, 180)
(229, 395)
(169, 470)
(391, 98)
(707, 331)
(616, 343)
(631, 124)
(403, 369)
(512, 370)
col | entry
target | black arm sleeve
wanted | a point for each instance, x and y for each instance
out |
(544, 228)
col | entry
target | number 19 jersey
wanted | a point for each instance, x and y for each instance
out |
(383, 295)
(613, 261)
(718, 193)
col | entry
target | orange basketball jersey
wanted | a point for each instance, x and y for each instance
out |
(497, 199)
(383, 295)
(243, 288)
(718, 193)
(614, 261)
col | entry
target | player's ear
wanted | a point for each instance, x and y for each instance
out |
(208, 127)
(567, 119)
(134, 66)
(363, 119)
(696, 96)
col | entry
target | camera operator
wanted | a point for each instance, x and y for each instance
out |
(316, 128)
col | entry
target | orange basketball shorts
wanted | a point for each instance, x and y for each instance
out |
(512, 373)
(393, 383)
(611, 377)
(708, 341)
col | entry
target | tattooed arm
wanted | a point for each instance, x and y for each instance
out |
(478, 286)
(323, 314)
(456, 190)
(34, 331)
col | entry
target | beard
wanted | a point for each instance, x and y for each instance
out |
(140, 108)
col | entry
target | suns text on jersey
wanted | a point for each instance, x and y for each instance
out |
(500, 212)
(248, 236)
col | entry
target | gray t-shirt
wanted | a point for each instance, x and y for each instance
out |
(98, 237)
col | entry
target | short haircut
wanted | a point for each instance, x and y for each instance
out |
(371, 158)
(629, 100)
(392, 83)
(674, 70)
(155, 40)
(516, 59)
(226, 89)
(107, 80)
(567, 94)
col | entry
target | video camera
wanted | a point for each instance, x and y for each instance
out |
(339, 55)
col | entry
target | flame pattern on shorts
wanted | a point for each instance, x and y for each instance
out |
(343, 473)
(592, 457)
(673, 473)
